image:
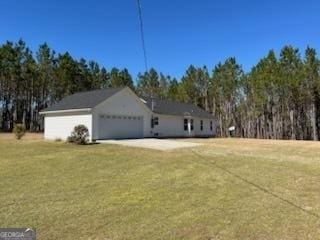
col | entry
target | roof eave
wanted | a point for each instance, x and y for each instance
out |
(66, 111)
(181, 115)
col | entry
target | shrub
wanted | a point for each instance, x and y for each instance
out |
(79, 135)
(19, 130)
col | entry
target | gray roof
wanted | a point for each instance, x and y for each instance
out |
(90, 99)
(176, 108)
(82, 100)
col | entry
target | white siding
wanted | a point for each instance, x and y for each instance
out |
(206, 127)
(125, 103)
(173, 126)
(169, 126)
(59, 126)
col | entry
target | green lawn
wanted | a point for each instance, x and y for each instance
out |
(225, 189)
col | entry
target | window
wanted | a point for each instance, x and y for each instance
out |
(210, 125)
(191, 123)
(201, 125)
(185, 124)
(154, 121)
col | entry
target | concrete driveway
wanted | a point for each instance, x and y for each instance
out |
(152, 143)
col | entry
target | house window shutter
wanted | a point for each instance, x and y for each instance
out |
(185, 124)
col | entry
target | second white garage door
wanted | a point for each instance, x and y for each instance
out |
(120, 127)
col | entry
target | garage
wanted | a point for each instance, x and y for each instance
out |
(120, 126)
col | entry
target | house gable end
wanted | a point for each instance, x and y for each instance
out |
(123, 101)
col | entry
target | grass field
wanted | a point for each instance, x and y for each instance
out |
(225, 189)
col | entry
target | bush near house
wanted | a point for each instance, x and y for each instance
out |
(79, 135)
(19, 130)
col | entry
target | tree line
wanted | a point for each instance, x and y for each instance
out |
(279, 98)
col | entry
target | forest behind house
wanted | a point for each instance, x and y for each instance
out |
(279, 98)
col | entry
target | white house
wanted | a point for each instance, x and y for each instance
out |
(118, 113)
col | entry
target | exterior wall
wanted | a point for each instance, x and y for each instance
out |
(59, 126)
(173, 126)
(206, 127)
(125, 103)
(169, 126)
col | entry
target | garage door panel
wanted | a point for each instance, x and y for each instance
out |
(120, 126)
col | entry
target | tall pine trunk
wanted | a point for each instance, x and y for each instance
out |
(314, 122)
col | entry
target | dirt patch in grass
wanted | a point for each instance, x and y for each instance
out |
(26, 137)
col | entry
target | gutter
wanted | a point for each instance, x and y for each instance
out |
(66, 111)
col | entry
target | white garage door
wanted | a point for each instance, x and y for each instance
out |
(120, 127)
